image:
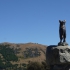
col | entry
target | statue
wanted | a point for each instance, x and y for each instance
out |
(62, 32)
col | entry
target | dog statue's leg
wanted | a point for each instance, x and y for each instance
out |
(60, 39)
(64, 36)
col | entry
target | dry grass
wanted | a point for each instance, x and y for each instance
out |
(40, 47)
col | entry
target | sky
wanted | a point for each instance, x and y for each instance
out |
(36, 21)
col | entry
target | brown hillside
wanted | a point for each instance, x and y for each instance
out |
(34, 51)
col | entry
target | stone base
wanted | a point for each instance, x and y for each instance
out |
(61, 67)
(58, 57)
(58, 54)
(62, 44)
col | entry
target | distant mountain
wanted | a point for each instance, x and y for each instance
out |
(22, 53)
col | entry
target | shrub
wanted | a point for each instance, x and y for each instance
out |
(35, 66)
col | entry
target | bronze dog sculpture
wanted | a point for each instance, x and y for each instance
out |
(62, 31)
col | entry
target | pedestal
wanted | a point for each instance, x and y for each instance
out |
(58, 57)
(62, 44)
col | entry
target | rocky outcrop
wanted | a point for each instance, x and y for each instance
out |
(58, 56)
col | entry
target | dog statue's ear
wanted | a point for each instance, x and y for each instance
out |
(64, 20)
(59, 20)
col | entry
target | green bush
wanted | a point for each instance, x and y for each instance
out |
(35, 66)
(24, 65)
(8, 53)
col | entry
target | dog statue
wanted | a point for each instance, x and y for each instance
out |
(62, 31)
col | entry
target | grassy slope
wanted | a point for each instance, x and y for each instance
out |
(41, 48)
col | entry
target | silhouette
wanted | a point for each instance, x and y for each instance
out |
(62, 31)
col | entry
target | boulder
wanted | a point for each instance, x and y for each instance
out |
(58, 55)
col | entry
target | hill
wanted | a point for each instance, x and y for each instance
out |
(21, 53)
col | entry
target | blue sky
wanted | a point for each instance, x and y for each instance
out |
(37, 21)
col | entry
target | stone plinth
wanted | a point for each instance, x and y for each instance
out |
(62, 44)
(58, 57)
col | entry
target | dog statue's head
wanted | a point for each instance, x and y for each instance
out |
(62, 22)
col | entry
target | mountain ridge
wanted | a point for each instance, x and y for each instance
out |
(27, 52)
